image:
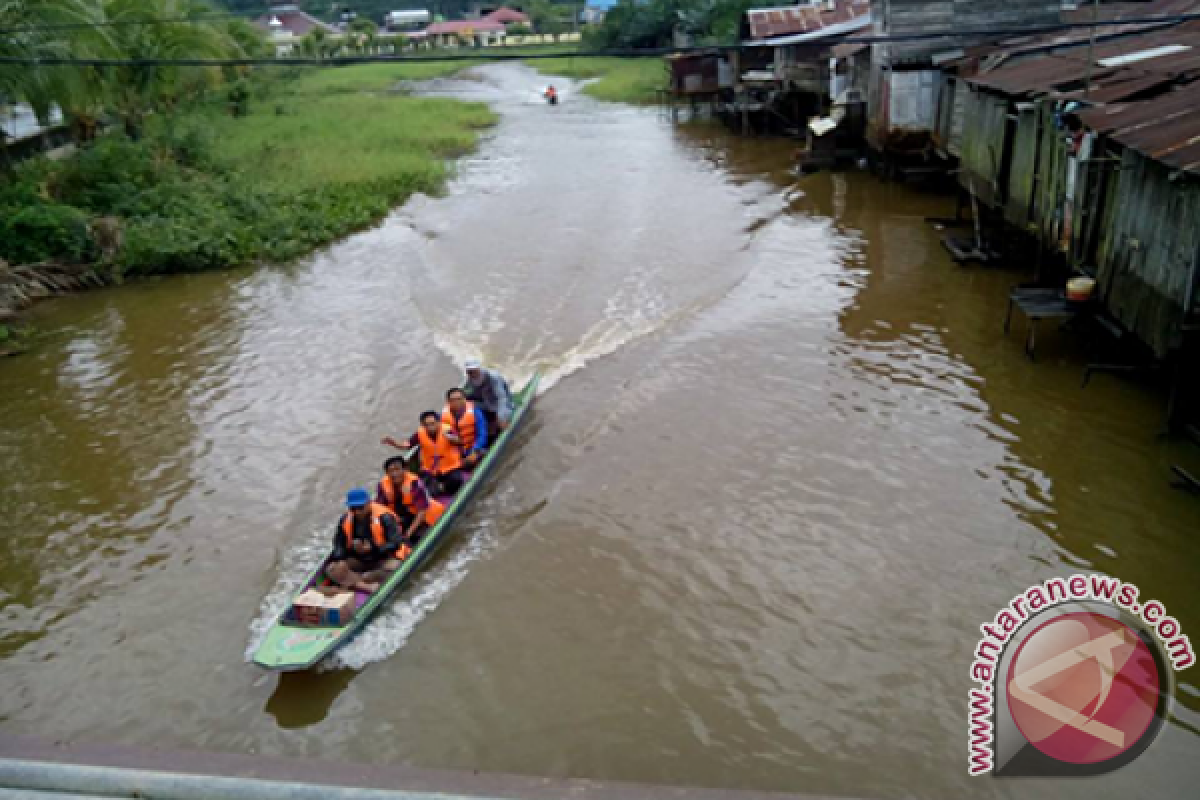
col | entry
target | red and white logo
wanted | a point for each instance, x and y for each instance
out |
(1083, 688)
(1073, 678)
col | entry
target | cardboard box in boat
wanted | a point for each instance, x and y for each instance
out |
(314, 608)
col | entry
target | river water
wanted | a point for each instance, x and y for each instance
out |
(785, 464)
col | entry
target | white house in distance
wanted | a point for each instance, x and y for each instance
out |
(457, 32)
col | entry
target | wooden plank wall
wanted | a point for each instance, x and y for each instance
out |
(924, 16)
(1148, 250)
(920, 16)
(1019, 205)
(983, 146)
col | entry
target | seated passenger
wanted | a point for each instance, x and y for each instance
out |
(366, 545)
(403, 493)
(487, 389)
(469, 424)
(441, 456)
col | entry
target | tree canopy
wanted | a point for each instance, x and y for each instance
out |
(115, 29)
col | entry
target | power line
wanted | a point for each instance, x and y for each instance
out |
(333, 61)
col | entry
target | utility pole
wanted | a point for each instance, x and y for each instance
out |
(1087, 84)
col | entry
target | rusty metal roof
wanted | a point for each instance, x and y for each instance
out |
(1054, 73)
(1165, 128)
(764, 23)
(1014, 47)
(1133, 102)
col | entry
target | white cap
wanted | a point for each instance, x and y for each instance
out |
(472, 363)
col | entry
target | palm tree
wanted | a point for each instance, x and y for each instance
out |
(47, 29)
(137, 90)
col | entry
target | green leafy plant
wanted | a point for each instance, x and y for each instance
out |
(45, 232)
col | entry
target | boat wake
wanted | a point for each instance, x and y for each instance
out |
(391, 629)
(606, 337)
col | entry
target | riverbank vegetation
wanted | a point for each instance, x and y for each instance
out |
(626, 80)
(299, 166)
(190, 168)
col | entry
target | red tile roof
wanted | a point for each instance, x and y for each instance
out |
(765, 23)
(507, 16)
(295, 22)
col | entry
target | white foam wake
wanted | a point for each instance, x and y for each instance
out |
(392, 627)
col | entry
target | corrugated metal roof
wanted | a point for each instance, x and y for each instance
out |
(852, 25)
(1050, 72)
(1143, 55)
(1165, 128)
(1062, 41)
(1033, 76)
(765, 23)
(1121, 87)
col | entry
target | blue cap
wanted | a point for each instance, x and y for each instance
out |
(357, 498)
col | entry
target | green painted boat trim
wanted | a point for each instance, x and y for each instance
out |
(289, 647)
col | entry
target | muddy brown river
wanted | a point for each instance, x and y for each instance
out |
(785, 463)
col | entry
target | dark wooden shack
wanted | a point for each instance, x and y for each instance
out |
(700, 73)
(1148, 253)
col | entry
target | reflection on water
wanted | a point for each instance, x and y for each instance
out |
(303, 699)
(786, 465)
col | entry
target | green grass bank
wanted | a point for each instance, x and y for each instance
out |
(625, 80)
(315, 155)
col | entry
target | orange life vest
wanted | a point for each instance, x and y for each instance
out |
(464, 426)
(440, 456)
(432, 514)
(377, 535)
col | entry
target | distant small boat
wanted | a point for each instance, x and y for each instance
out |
(290, 646)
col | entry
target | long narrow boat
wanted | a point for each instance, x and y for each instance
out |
(290, 646)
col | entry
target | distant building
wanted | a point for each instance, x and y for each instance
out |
(285, 23)
(456, 33)
(793, 64)
(408, 20)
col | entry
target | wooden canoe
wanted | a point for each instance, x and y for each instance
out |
(289, 646)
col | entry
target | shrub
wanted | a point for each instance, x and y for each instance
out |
(102, 177)
(193, 147)
(45, 232)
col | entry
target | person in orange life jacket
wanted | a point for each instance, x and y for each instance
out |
(441, 456)
(469, 423)
(405, 494)
(365, 544)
